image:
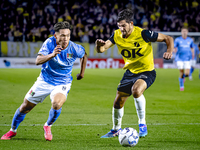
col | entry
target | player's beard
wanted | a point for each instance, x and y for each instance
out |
(125, 33)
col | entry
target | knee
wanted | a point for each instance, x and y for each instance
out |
(58, 100)
(187, 74)
(136, 92)
(57, 104)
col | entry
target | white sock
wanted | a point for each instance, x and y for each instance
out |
(46, 124)
(13, 130)
(140, 105)
(117, 115)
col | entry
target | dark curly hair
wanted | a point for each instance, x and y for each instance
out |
(62, 25)
(126, 15)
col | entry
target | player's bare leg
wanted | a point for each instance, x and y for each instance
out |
(54, 113)
(19, 116)
(181, 71)
(120, 99)
(140, 105)
(138, 88)
(187, 72)
(26, 106)
(59, 100)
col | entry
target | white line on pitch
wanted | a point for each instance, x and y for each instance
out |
(154, 124)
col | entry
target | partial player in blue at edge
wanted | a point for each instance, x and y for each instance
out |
(57, 56)
(194, 60)
(183, 45)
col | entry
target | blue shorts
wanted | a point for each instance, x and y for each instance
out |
(130, 78)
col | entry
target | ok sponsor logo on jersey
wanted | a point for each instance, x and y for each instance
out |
(133, 52)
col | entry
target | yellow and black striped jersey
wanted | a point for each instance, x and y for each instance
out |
(136, 50)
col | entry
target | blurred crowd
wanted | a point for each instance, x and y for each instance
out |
(33, 20)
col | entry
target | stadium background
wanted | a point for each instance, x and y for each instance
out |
(172, 115)
(26, 24)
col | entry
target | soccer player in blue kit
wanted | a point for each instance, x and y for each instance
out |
(184, 45)
(194, 60)
(57, 56)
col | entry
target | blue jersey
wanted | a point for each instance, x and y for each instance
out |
(196, 52)
(58, 70)
(183, 48)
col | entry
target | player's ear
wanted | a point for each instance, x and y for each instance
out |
(131, 22)
(55, 35)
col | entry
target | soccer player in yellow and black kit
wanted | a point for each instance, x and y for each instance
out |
(134, 44)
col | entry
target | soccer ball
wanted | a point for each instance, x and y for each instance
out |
(128, 137)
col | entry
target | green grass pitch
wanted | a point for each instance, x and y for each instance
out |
(173, 117)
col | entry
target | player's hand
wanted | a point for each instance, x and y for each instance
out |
(79, 76)
(57, 50)
(167, 55)
(100, 42)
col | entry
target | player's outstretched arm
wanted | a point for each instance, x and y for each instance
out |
(101, 45)
(41, 59)
(83, 66)
(170, 45)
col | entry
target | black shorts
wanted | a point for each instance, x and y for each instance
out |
(130, 78)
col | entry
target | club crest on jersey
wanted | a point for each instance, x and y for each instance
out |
(64, 88)
(137, 44)
(32, 93)
(69, 55)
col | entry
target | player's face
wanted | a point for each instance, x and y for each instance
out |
(63, 37)
(125, 28)
(184, 33)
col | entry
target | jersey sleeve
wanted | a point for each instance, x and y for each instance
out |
(44, 50)
(192, 44)
(79, 51)
(112, 38)
(149, 36)
(176, 43)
